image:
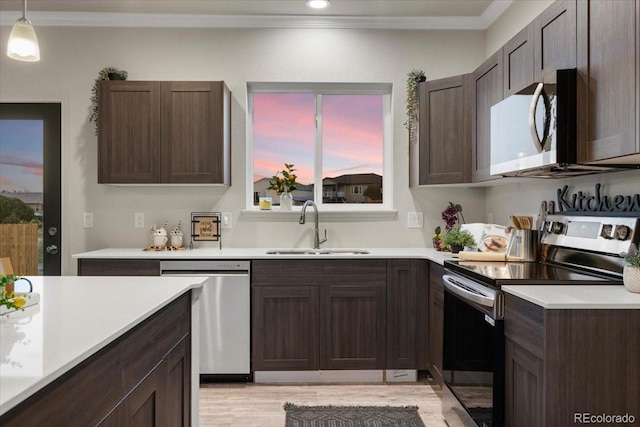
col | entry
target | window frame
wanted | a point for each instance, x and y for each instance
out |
(320, 89)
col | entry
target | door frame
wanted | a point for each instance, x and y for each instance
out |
(63, 100)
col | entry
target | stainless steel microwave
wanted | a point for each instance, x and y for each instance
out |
(533, 132)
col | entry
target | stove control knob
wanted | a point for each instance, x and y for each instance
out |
(622, 232)
(547, 227)
(557, 227)
(607, 231)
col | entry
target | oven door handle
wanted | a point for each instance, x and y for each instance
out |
(450, 284)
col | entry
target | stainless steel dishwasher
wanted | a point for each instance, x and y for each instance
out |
(225, 316)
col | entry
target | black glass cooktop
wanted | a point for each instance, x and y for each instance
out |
(526, 273)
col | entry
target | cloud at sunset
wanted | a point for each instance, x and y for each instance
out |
(21, 155)
(284, 131)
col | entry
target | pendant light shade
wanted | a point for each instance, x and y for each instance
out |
(23, 43)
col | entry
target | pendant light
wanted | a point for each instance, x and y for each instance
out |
(23, 43)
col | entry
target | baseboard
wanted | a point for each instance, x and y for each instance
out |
(337, 376)
(329, 376)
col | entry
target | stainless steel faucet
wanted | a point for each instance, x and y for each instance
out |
(316, 240)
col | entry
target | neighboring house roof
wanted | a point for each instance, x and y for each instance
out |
(355, 179)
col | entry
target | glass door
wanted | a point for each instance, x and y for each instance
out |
(30, 140)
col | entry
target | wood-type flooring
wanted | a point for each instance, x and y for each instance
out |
(260, 405)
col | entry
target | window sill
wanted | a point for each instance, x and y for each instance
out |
(276, 215)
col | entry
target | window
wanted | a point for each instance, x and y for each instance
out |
(336, 135)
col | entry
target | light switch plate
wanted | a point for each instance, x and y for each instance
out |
(226, 220)
(87, 219)
(414, 220)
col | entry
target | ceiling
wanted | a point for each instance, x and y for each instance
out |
(410, 14)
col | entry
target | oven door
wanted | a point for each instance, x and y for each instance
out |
(473, 363)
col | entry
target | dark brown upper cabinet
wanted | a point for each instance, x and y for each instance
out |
(487, 90)
(164, 132)
(555, 39)
(443, 154)
(517, 58)
(609, 97)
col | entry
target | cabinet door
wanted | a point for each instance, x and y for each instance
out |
(436, 320)
(403, 305)
(523, 388)
(195, 132)
(129, 132)
(555, 38)
(175, 386)
(285, 328)
(608, 54)
(487, 91)
(445, 131)
(142, 405)
(354, 331)
(518, 61)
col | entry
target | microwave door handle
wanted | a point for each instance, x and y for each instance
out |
(532, 118)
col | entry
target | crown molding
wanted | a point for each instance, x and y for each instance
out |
(149, 20)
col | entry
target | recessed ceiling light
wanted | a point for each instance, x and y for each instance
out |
(318, 4)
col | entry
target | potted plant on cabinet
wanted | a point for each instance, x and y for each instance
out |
(456, 239)
(414, 78)
(631, 272)
(107, 73)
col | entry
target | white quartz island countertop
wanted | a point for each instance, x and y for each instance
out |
(76, 317)
(592, 297)
(261, 253)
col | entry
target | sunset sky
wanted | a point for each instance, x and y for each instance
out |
(284, 131)
(21, 155)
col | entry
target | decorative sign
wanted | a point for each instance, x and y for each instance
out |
(205, 226)
(586, 204)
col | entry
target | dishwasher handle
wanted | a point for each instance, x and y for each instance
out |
(196, 273)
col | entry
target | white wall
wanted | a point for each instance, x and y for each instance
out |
(72, 57)
(524, 196)
(514, 19)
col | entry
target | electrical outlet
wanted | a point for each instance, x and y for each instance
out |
(227, 220)
(414, 220)
(87, 220)
(138, 220)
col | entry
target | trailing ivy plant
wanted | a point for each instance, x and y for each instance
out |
(103, 75)
(413, 79)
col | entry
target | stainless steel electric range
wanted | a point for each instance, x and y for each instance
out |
(574, 250)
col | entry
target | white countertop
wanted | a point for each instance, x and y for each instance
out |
(42, 342)
(260, 253)
(577, 297)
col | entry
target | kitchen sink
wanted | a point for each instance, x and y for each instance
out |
(317, 252)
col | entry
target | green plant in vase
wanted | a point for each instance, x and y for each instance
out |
(456, 239)
(7, 297)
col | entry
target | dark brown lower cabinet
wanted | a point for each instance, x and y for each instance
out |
(562, 364)
(523, 372)
(285, 327)
(353, 331)
(336, 320)
(407, 314)
(141, 379)
(161, 399)
(436, 321)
